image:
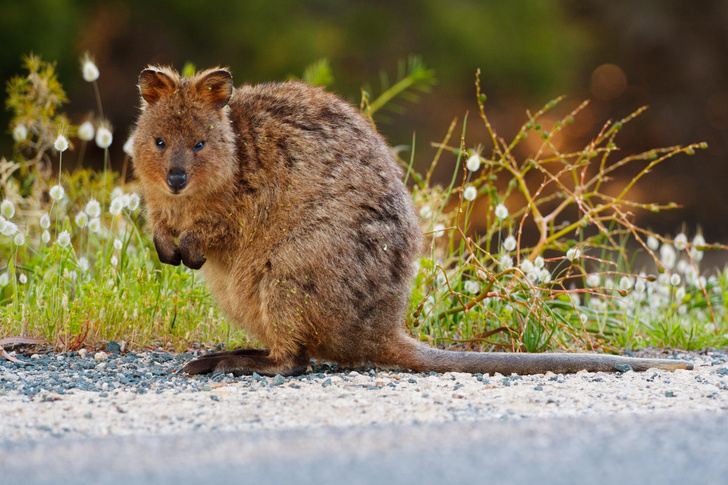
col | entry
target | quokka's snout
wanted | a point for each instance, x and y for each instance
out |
(176, 180)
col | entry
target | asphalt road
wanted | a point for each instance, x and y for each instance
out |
(646, 449)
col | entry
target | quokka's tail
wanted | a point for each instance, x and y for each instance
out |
(415, 356)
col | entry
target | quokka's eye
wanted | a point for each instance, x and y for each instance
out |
(200, 145)
(160, 143)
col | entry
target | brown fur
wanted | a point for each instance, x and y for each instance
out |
(295, 211)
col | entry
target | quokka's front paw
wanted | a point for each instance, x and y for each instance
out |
(167, 251)
(190, 256)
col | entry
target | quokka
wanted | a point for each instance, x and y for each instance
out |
(293, 208)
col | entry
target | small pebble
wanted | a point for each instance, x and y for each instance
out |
(101, 356)
(82, 353)
(113, 347)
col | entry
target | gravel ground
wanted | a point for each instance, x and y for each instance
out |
(75, 396)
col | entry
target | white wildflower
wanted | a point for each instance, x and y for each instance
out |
(691, 276)
(117, 192)
(653, 243)
(696, 254)
(20, 133)
(89, 70)
(534, 276)
(86, 131)
(593, 280)
(675, 279)
(510, 243)
(81, 219)
(664, 279)
(682, 265)
(680, 241)
(4, 279)
(61, 143)
(104, 137)
(22, 279)
(93, 208)
(544, 275)
(94, 225)
(425, 212)
(8, 228)
(472, 287)
(527, 266)
(45, 221)
(470, 193)
(505, 262)
(680, 294)
(116, 206)
(7, 209)
(668, 256)
(129, 146)
(625, 283)
(573, 254)
(45, 237)
(19, 239)
(539, 262)
(501, 212)
(125, 199)
(83, 264)
(64, 239)
(640, 286)
(473, 163)
(699, 240)
(57, 193)
(438, 230)
(118, 244)
(133, 202)
(114, 261)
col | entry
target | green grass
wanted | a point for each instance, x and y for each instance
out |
(479, 285)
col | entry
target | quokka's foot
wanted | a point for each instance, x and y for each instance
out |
(245, 362)
(168, 252)
(191, 257)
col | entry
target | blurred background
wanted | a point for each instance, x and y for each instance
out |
(668, 54)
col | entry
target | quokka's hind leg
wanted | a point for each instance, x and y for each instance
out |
(246, 361)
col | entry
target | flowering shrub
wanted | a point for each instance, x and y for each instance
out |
(575, 287)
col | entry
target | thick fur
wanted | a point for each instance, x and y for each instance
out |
(295, 212)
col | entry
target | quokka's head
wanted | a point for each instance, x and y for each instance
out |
(183, 142)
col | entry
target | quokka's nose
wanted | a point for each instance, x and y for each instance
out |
(176, 179)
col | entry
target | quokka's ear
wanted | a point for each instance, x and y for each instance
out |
(155, 84)
(214, 86)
